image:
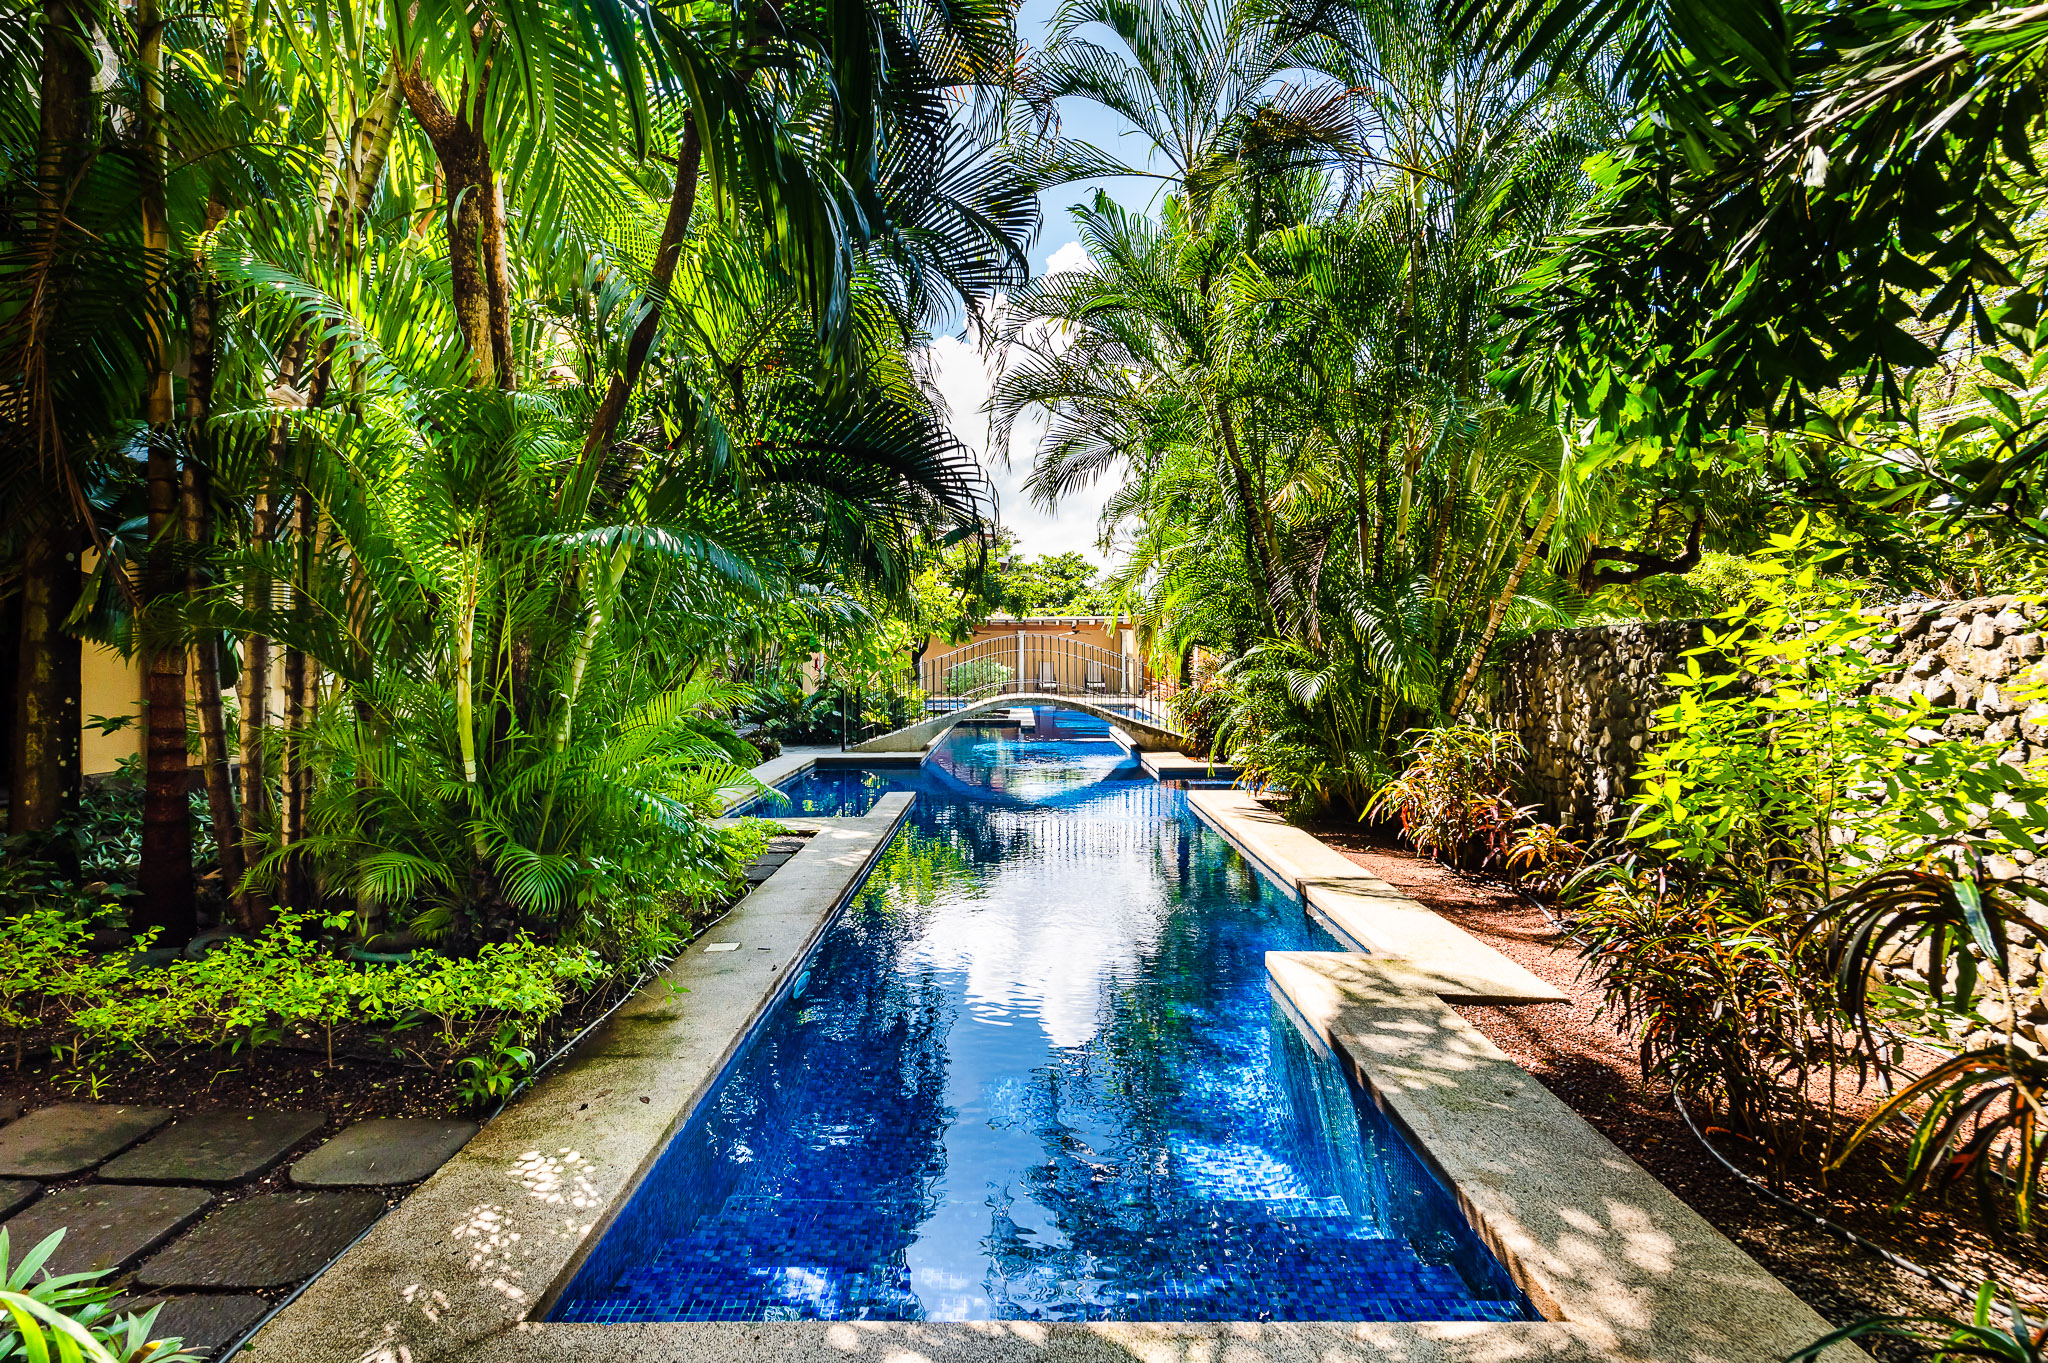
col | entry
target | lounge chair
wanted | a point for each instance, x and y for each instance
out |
(1048, 679)
(1094, 680)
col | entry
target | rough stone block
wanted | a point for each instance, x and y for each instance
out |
(217, 1147)
(382, 1153)
(106, 1225)
(207, 1324)
(69, 1138)
(267, 1241)
(1983, 633)
(16, 1193)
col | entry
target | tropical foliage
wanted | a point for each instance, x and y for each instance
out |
(457, 404)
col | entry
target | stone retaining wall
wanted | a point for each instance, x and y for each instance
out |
(1585, 700)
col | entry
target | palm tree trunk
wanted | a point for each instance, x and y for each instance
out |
(202, 658)
(166, 879)
(478, 274)
(301, 700)
(43, 763)
(203, 655)
(363, 159)
(1501, 603)
(1256, 557)
(252, 907)
(42, 760)
(682, 201)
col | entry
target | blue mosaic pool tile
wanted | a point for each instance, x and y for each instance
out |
(986, 1106)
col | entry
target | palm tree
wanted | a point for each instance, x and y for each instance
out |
(1321, 482)
(1203, 83)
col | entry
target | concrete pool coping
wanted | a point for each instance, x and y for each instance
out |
(464, 1268)
(1367, 912)
(501, 1228)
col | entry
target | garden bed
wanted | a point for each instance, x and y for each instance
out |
(393, 1069)
(1592, 1066)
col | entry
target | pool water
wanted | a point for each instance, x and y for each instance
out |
(1035, 1072)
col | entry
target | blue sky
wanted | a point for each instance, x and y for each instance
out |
(964, 377)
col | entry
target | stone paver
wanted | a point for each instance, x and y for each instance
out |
(206, 1324)
(267, 1241)
(69, 1138)
(106, 1225)
(383, 1152)
(216, 1147)
(16, 1193)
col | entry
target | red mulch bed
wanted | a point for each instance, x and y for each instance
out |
(1592, 1065)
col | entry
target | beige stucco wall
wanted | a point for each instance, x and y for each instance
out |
(109, 685)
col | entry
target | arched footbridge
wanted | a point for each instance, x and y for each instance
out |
(1143, 734)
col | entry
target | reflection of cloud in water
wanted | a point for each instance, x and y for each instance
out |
(1049, 962)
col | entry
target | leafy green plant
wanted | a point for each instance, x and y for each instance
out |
(1732, 1006)
(796, 716)
(1724, 934)
(1947, 1339)
(1544, 857)
(69, 1317)
(976, 673)
(496, 1072)
(1980, 1116)
(287, 985)
(1456, 793)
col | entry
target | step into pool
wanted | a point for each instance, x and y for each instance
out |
(1034, 1072)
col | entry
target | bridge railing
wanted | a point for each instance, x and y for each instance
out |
(1053, 664)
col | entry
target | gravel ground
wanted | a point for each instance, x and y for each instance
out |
(1592, 1066)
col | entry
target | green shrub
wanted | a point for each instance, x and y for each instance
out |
(976, 673)
(1794, 824)
(286, 986)
(1457, 791)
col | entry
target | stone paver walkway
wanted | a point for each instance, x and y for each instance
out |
(106, 1225)
(377, 1154)
(272, 1240)
(168, 1208)
(70, 1138)
(214, 1147)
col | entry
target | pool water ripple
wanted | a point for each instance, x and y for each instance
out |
(1035, 1072)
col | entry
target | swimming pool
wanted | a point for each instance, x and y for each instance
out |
(1034, 1071)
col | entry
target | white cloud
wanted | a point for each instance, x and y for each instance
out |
(965, 378)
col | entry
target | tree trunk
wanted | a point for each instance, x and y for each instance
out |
(301, 690)
(670, 250)
(1501, 603)
(203, 654)
(67, 101)
(42, 760)
(252, 908)
(43, 765)
(478, 274)
(166, 880)
(363, 160)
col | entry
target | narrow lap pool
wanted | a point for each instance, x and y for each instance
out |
(1034, 1072)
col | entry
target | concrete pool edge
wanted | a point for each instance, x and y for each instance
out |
(1597, 1243)
(465, 1274)
(491, 1238)
(1364, 910)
